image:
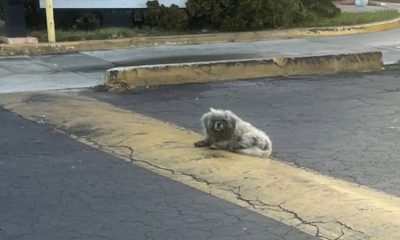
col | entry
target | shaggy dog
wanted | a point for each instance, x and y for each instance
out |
(225, 130)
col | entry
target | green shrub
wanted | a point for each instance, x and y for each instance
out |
(210, 14)
(166, 18)
(87, 21)
(29, 5)
(321, 8)
(33, 18)
(1, 10)
(233, 15)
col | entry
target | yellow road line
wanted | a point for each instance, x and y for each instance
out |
(319, 205)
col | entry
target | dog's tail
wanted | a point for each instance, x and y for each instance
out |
(255, 151)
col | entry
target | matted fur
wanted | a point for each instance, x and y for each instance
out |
(224, 130)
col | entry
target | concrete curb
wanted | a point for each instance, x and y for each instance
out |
(69, 47)
(124, 78)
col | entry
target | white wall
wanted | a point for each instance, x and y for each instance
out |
(108, 3)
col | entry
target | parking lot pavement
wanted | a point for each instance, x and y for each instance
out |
(346, 126)
(52, 187)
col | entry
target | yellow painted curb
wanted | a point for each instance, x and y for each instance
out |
(138, 76)
(68, 47)
(318, 205)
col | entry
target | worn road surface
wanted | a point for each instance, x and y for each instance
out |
(334, 173)
(345, 126)
(77, 163)
(52, 187)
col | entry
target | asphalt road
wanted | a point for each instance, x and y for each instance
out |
(346, 126)
(52, 187)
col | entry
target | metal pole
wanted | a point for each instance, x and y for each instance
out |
(51, 32)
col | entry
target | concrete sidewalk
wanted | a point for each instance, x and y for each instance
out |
(354, 8)
(388, 42)
(86, 69)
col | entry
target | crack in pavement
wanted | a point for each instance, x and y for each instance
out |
(130, 156)
(274, 181)
(256, 204)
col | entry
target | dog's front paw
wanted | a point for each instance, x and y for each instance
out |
(202, 143)
(213, 147)
(235, 148)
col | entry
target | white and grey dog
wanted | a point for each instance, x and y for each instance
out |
(225, 130)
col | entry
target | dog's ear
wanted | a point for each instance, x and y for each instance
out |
(206, 120)
(229, 112)
(231, 115)
(230, 119)
(213, 110)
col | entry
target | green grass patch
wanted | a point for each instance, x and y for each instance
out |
(342, 19)
(348, 18)
(103, 33)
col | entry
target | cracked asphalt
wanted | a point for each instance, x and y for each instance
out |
(346, 126)
(52, 187)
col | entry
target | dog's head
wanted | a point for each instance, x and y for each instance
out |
(221, 122)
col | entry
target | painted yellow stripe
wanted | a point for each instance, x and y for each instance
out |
(316, 204)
